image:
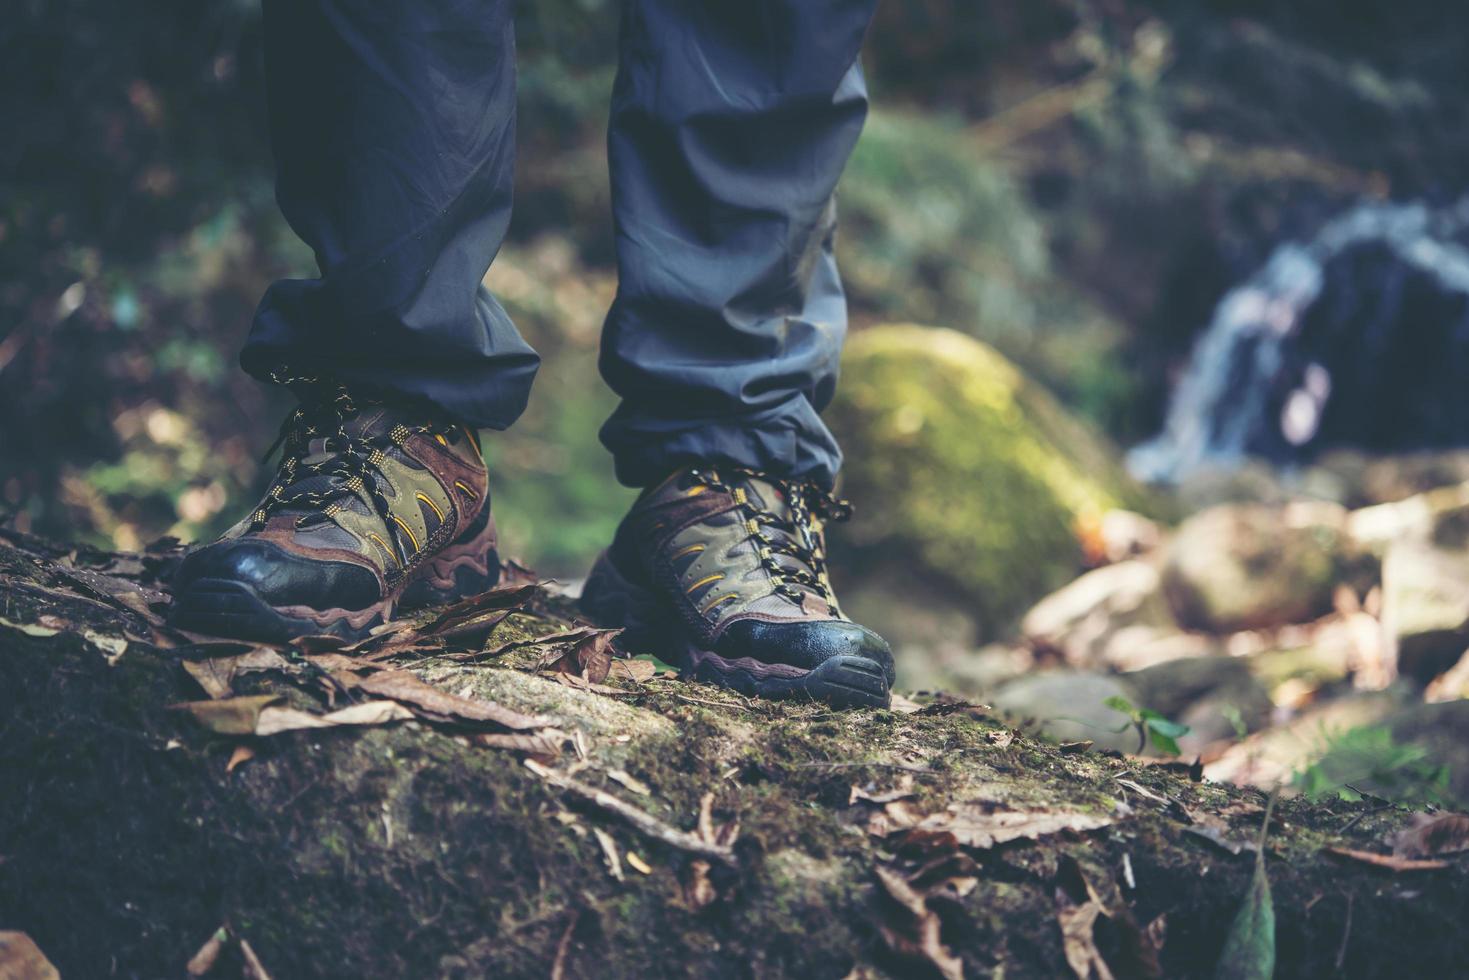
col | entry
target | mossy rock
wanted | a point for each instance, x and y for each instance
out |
(410, 851)
(966, 475)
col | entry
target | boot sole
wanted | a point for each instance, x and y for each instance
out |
(649, 624)
(224, 607)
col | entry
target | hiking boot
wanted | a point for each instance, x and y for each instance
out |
(374, 508)
(724, 575)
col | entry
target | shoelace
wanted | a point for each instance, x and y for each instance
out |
(796, 539)
(350, 463)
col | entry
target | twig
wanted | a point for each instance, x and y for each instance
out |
(712, 704)
(865, 765)
(558, 965)
(1346, 933)
(640, 820)
(1362, 815)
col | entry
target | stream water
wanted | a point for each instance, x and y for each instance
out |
(1359, 337)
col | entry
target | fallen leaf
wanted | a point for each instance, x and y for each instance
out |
(546, 742)
(513, 573)
(229, 716)
(1427, 835)
(273, 721)
(903, 791)
(589, 656)
(638, 864)
(609, 853)
(1249, 949)
(912, 929)
(698, 889)
(22, 959)
(217, 674)
(1390, 861)
(1078, 927)
(471, 613)
(904, 706)
(439, 705)
(1216, 831)
(241, 755)
(630, 781)
(637, 671)
(1071, 748)
(976, 826)
(29, 629)
(203, 961)
(1000, 739)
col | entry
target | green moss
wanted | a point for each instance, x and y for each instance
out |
(972, 477)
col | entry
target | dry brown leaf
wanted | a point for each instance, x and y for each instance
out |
(216, 674)
(22, 959)
(273, 721)
(1078, 924)
(913, 929)
(630, 781)
(1389, 861)
(471, 612)
(241, 755)
(229, 716)
(1071, 748)
(409, 688)
(904, 706)
(609, 853)
(203, 961)
(976, 826)
(1216, 831)
(1000, 739)
(546, 743)
(903, 791)
(698, 889)
(1432, 834)
(637, 671)
(588, 656)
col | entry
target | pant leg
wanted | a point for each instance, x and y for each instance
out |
(731, 123)
(393, 126)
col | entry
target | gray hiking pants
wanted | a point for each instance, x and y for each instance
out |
(393, 129)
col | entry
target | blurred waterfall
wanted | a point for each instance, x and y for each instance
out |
(1359, 337)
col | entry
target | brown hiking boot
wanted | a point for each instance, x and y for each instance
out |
(374, 508)
(724, 574)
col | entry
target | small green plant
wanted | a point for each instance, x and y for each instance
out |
(1236, 720)
(1151, 726)
(1369, 757)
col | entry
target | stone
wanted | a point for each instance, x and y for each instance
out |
(1069, 706)
(1425, 607)
(970, 481)
(1241, 567)
(1078, 620)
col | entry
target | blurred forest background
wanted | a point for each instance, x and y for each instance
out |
(1075, 183)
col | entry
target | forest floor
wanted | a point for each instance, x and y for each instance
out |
(484, 790)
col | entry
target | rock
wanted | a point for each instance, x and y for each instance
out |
(1425, 607)
(1239, 567)
(1272, 757)
(1140, 646)
(1442, 731)
(1440, 515)
(1069, 706)
(1078, 620)
(1208, 694)
(969, 480)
